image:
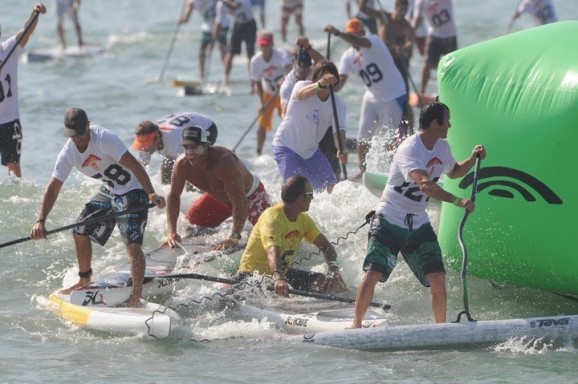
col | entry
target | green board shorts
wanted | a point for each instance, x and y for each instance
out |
(419, 248)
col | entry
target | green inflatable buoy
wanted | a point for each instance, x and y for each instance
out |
(518, 96)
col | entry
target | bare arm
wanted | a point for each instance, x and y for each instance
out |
(38, 8)
(304, 43)
(178, 180)
(187, 11)
(335, 282)
(232, 177)
(281, 286)
(462, 167)
(48, 199)
(350, 38)
(312, 89)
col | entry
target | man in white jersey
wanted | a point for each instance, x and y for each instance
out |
(442, 33)
(385, 92)
(10, 128)
(542, 11)
(99, 153)
(163, 137)
(303, 58)
(208, 10)
(230, 189)
(268, 69)
(244, 29)
(70, 8)
(309, 113)
(401, 223)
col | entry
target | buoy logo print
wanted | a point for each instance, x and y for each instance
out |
(503, 182)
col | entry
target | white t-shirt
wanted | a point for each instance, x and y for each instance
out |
(207, 10)
(440, 17)
(376, 68)
(305, 123)
(99, 161)
(9, 81)
(222, 17)
(542, 10)
(171, 127)
(401, 194)
(243, 13)
(270, 73)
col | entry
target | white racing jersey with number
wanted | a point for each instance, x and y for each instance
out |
(440, 17)
(9, 81)
(270, 73)
(401, 195)
(172, 126)
(376, 68)
(99, 161)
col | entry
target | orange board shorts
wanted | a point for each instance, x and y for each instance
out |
(266, 118)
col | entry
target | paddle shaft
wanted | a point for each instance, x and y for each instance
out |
(261, 110)
(26, 29)
(328, 56)
(171, 46)
(461, 240)
(84, 222)
(224, 280)
(337, 130)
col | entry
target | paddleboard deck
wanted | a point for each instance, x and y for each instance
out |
(72, 52)
(150, 320)
(323, 320)
(447, 335)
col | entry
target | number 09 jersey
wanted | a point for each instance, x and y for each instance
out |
(376, 68)
(100, 161)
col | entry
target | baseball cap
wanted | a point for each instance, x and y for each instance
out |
(303, 58)
(354, 26)
(144, 135)
(75, 122)
(265, 39)
(197, 135)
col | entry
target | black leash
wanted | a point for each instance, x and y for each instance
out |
(466, 310)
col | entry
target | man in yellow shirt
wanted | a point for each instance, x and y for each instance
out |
(275, 239)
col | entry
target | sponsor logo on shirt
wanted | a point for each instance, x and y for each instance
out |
(91, 161)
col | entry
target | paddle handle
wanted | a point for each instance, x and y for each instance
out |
(28, 26)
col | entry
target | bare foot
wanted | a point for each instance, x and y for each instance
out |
(133, 302)
(353, 326)
(81, 283)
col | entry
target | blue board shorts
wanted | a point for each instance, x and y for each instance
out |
(316, 169)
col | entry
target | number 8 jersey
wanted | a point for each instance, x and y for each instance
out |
(376, 68)
(99, 161)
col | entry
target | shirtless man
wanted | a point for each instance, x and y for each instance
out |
(230, 189)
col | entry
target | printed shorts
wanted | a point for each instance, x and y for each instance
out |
(131, 226)
(10, 142)
(419, 247)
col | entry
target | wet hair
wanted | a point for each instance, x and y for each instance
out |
(431, 111)
(292, 188)
(323, 67)
(402, 2)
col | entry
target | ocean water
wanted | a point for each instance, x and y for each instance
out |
(118, 89)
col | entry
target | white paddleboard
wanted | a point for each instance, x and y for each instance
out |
(72, 52)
